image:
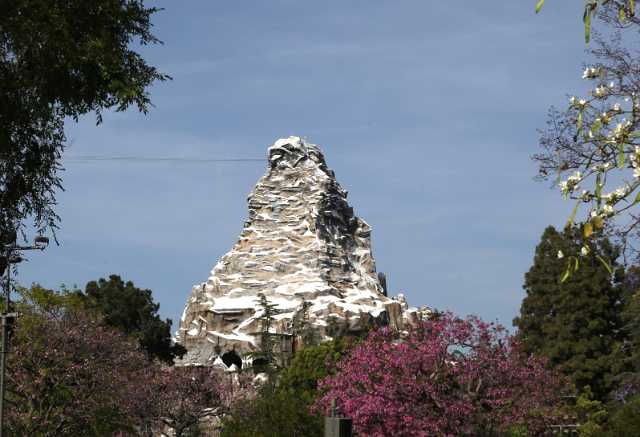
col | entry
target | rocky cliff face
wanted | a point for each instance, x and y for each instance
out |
(305, 250)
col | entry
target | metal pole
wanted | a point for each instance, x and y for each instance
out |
(3, 355)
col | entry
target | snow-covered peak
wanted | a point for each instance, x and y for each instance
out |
(293, 151)
(304, 249)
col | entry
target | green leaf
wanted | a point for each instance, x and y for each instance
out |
(632, 7)
(587, 24)
(598, 190)
(575, 268)
(622, 16)
(635, 134)
(579, 121)
(566, 273)
(587, 230)
(605, 264)
(539, 6)
(596, 126)
(620, 155)
(572, 217)
(637, 199)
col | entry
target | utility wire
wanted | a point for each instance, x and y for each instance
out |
(92, 158)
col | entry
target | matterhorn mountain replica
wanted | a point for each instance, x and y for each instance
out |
(302, 250)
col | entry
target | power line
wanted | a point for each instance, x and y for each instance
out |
(95, 158)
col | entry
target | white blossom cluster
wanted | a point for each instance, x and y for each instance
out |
(578, 103)
(611, 136)
(635, 162)
(571, 184)
(591, 73)
(619, 134)
(617, 194)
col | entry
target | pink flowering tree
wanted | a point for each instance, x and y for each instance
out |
(69, 374)
(188, 399)
(445, 377)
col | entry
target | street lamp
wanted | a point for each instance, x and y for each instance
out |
(11, 255)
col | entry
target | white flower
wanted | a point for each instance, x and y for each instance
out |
(634, 158)
(560, 254)
(615, 195)
(582, 102)
(600, 91)
(612, 84)
(584, 251)
(621, 192)
(571, 183)
(573, 100)
(607, 210)
(606, 166)
(616, 107)
(590, 73)
(619, 133)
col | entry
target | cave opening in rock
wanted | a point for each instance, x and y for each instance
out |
(260, 365)
(230, 358)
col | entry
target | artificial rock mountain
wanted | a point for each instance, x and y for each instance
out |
(303, 248)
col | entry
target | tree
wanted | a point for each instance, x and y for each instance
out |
(448, 376)
(627, 354)
(593, 145)
(58, 59)
(132, 311)
(282, 404)
(68, 375)
(71, 375)
(624, 9)
(187, 397)
(576, 323)
(266, 336)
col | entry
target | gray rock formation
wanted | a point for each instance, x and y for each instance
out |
(305, 250)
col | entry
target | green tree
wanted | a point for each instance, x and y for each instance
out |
(576, 323)
(60, 59)
(133, 311)
(266, 336)
(625, 420)
(282, 405)
(628, 351)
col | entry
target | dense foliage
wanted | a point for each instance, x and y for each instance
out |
(71, 375)
(448, 376)
(133, 311)
(576, 324)
(628, 351)
(58, 59)
(282, 406)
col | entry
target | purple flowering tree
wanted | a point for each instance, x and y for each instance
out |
(69, 374)
(446, 377)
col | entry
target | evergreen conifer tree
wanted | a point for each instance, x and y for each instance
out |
(576, 323)
(266, 337)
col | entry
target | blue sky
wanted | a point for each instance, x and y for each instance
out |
(427, 111)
